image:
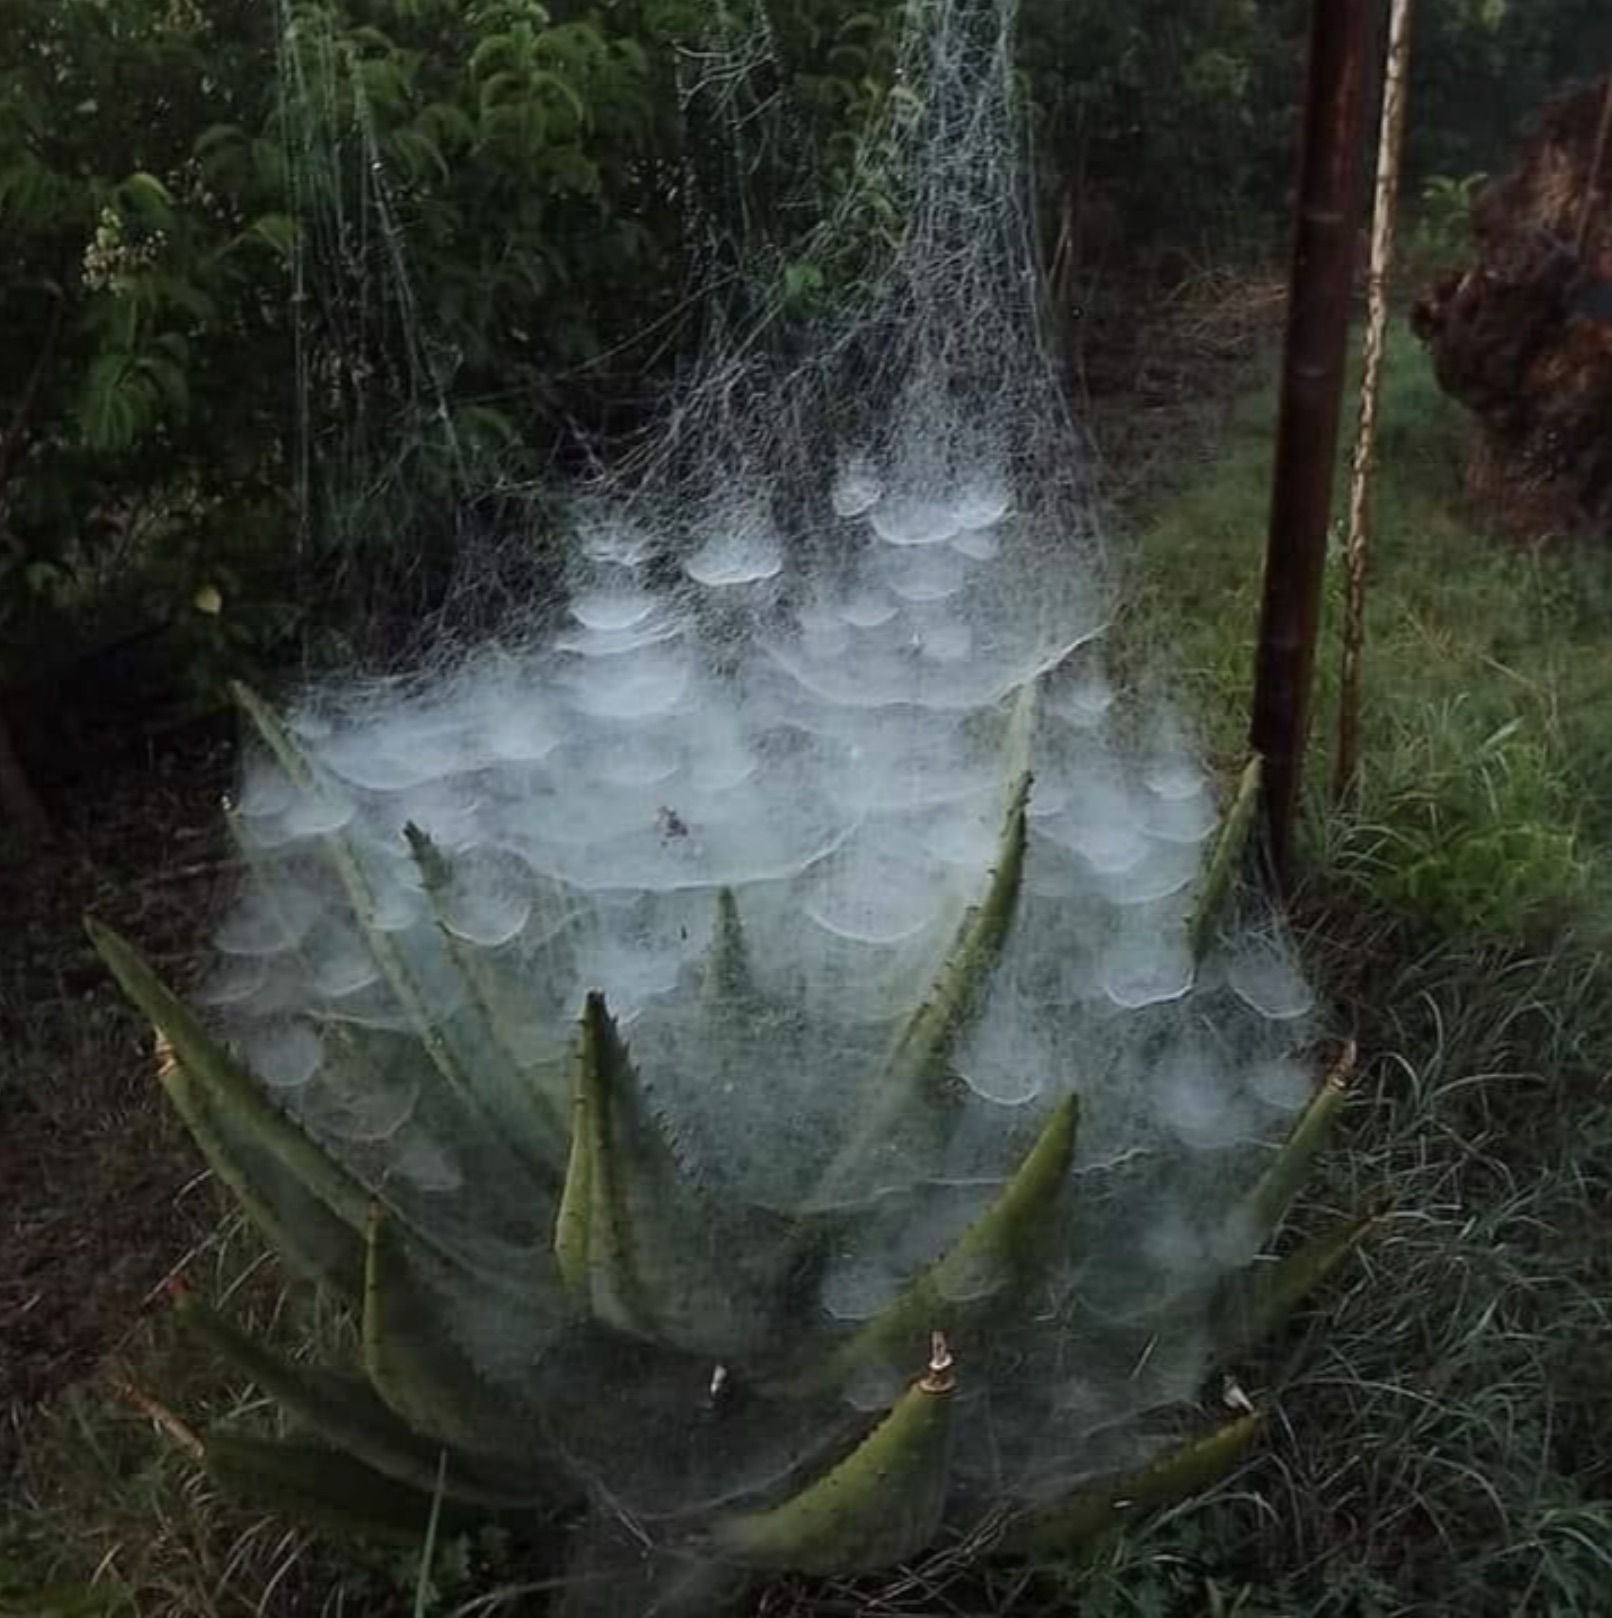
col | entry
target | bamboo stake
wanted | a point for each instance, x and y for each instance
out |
(1316, 348)
(1390, 144)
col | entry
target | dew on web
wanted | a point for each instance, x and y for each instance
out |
(977, 544)
(611, 611)
(1282, 1083)
(803, 690)
(868, 609)
(856, 488)
(319, 811)
(1003, 1059)
(265, 924)
(339, 961)
(873, 891)
(239, 981)
(1264, 975)
(982, 506)
(905, 520)
(924, 575)
(858, 1286)
(286, 1057)
(749, 555)
(265, 792)
(1143, 965)
(644, 685)
(427, 1164)
(487, 899)
(1197, 1100)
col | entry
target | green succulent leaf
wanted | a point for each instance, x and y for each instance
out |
(327, 1490)
(1225, 861)
(1257, 1303)
(1180, 1473)
(728, 981)
(877, 1507)
(1275, 1189)
(421, 1374)
(914, 1074)
(531, 1118)
(636, 1250)
(219, 1100)
(927, 1040)
(345, 1412)
(1002, 1245)
(383, 946)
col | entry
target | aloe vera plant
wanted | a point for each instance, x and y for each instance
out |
(673, 1286)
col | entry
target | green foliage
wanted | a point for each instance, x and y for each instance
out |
(1489, 761)
(184, 193)
(1441, 236)
(1481, 69)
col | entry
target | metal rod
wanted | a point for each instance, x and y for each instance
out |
(1320, 283)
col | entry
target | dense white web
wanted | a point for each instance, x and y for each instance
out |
(791, 659)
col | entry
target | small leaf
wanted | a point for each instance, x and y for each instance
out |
(1257, 1303)
(427, 1379)
(325, 1489)
(728, 981)
(1090, 1513)
(346, 1413)
(877, 1507)
(913, 1073)
(637, 1248)
(208, 600)
(1225, 861)
(1002, 1244)
(1268, 1201)
(228, 1087)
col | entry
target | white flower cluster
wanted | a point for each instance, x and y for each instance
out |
(112, 260)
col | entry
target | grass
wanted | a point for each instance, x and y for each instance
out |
(1438, 1444)
(1487, 777)
(1441, 1447)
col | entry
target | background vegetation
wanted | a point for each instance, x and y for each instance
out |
(565, 179)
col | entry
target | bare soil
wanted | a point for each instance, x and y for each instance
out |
(91, 1168)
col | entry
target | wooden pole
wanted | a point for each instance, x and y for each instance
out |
(1320, 283)
(1390, 142)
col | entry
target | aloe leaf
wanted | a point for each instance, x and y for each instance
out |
(877, 1507)
(1275, 1189)
(1001, 1244)
(1087, 1514)
(525, 1104)
(1225, 860)
(326, 1489)
(346, 1413)
(927, 1039)
(913, 1072)
(1256, 1304)
(637, 1247)
(728, 980)
(423, 1376)
(203, 1068)
(312, 1242)
(394, 966)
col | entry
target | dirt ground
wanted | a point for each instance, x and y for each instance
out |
(92, 1172)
